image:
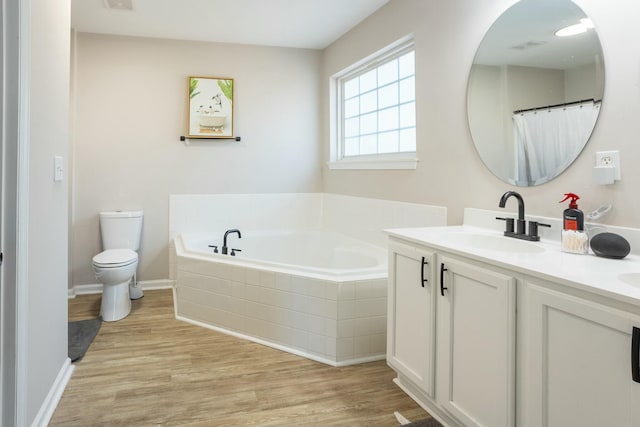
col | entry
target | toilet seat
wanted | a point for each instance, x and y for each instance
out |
(115, 258)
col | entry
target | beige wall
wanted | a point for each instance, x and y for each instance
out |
(47, 225)
(447, 35)
(130, 112)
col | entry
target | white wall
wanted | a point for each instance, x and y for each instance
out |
(47, 225)
(131, 110)
(131, 107)
(447, 35)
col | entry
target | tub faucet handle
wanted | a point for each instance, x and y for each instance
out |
(233, 251)
(215, 248)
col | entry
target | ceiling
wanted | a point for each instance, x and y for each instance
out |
(312, 24)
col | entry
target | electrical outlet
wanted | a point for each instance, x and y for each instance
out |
(611, 159)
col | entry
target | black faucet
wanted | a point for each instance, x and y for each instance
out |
(224, 243)
(520, 224)
(503, 202)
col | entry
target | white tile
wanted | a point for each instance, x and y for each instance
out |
(284, 299)
(267, 279)
(238, 273)
(282, 335)
(251, 293)
(283, 281)
(347, 291)
(298, 285)
(316, 343)
(300, 339)
(332, 289)
(346, 310)
(269, 296)
(344, 348)
(330, 327)
(285, 317)
(299, 320)
(301, 303)
(238, 290)
(371, 289)
(364, 290)
(346, 328)
(314, 324)
(371, 307)
(223, 271)
(252, 276)
(236, 305)
(379, 325)
(330, 347)
(378, 343)
(329, 309)
(364, 326)
(362, 345)
(315, 288)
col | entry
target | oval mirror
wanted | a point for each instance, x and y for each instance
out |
(534, 94)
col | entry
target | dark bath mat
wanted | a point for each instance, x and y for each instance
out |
(81, 334)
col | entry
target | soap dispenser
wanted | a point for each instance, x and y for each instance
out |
(574, 239)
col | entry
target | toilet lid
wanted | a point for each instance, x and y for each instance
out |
(115, 258)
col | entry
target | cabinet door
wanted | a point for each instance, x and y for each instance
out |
(577, 362)
(476, 344)
(411, 315)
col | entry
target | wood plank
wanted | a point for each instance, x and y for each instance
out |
(151, 369)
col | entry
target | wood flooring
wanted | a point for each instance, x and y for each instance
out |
(150, 369)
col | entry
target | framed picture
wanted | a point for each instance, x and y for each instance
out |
(210, 108)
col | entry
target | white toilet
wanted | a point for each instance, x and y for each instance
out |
(116, 265)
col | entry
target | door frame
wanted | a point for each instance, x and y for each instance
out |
(14, 197)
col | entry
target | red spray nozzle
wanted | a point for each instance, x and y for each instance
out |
(572, 203)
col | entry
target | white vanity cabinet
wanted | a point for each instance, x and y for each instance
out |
(460, 362)
(476, 343)
(577, 356)
(496, 340)
(411, 314)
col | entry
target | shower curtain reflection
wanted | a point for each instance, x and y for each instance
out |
(547, 141)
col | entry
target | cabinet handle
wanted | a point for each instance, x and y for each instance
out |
(635, 355)
(442, 287)
(424, 262)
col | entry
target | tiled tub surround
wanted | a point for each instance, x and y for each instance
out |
(334, 322)
(333, 315)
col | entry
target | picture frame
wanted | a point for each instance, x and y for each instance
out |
(210, 107)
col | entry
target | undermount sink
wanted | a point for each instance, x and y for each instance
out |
(494, 243)
(630, 278)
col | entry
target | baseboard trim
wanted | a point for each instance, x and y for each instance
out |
(53, 397)
(96, 288)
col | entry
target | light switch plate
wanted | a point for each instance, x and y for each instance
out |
(58, 169)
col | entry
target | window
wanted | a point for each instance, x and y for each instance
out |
(375, 112)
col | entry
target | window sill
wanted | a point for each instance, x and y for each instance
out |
(374, 164)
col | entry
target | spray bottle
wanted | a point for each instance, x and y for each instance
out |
(574, 239)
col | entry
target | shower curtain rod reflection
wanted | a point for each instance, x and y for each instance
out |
(546, 107)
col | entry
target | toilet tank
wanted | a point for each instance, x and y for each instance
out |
(121, 229)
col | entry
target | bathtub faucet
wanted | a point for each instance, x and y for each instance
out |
(224, 243)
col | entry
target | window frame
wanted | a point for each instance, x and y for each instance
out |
(394, 160)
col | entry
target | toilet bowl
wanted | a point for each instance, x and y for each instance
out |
(115, 268)
(116, 265)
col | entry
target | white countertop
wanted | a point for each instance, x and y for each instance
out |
(613, 278)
